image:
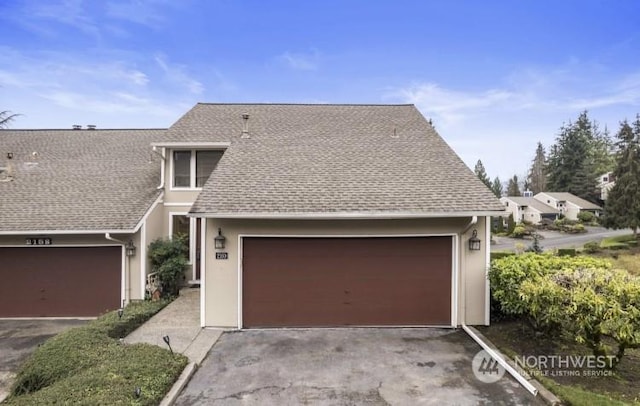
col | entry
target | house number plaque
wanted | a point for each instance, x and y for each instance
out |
(222, 255)
(38, 241)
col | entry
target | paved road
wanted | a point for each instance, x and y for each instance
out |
(554, 239)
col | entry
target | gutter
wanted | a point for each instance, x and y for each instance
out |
(500, 359)
(125, 289)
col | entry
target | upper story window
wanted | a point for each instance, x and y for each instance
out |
(191, 168)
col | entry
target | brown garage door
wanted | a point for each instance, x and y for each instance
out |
(59, 281)
(346, 281)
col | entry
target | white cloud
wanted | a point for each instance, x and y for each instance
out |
(136, 11)
(501, 124)
(177, 74)
(99, 87)
(301, 61)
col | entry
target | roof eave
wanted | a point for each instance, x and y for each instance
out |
(64, 232)
(345, 215)
(191, 144)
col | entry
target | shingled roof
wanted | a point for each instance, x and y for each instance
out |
(87, 180)
(578, 201)
(330, 160)
(533, 203)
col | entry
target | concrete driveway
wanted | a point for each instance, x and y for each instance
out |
(19, 338)
(346, 367)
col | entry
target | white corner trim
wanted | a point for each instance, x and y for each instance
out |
(203, 272)
(143, 259)
(487, 285)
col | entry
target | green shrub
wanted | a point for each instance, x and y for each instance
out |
(507, 274)
(519, 231)
(591, 247)
(586, 216)
(169, 259)
(114, 379)
(581, 296)
(567, 252)
(79, 349)
(501, 254)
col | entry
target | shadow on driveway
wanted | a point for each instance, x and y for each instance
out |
(19, 338)
(350, 366)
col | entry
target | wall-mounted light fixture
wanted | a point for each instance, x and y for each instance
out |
(474, 241)
(219, 240)
(9, 155)
(130, 249)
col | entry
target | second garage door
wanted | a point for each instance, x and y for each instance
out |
(297, 282)
(59, 281)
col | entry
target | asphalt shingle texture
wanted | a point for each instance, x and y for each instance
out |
(309, 159)
(78, 179)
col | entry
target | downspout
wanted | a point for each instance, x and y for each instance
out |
(498, 357)
(127, 293)
(162, 165)
(512, 371)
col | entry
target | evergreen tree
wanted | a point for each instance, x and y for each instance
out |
(511, 224)
(537, 173)
(481, 173)
(496, 187)
(622, 208)
(513, 188)
(571, 166)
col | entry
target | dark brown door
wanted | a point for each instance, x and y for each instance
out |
(400, 281)
(59, 281)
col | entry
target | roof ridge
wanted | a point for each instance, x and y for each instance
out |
(309, 104)
(82, 130)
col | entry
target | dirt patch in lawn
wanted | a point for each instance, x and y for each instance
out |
(516, 339)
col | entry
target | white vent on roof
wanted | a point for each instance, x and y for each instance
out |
(91, 126)
(527, 193)
(245, 126)
(76, 127)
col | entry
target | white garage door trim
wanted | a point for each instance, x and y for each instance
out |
(454, 263)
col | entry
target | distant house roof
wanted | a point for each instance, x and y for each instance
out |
(330, 160)
(77, 179)
(569, 197)
(533, 203)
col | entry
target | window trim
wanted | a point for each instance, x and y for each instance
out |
(192, 169)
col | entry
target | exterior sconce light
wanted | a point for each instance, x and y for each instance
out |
(130, 249)
(219, 240)
(9, 155)
(120, 313)
(474, 241)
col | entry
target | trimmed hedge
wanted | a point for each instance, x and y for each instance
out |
(89, 365)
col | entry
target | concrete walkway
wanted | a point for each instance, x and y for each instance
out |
(180, 320)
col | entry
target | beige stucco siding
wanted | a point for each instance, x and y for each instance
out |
(221, 283)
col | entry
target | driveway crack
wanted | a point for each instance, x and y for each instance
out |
(240, 395)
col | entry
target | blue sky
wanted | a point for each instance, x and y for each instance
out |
(496, 77)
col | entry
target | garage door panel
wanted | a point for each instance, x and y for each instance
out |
(347, 281)
(59, 281)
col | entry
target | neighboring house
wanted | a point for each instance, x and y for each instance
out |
(329, 215)
(605, 183)
(528, 209)
(568, 204)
